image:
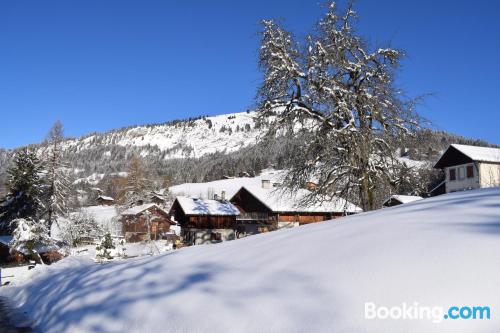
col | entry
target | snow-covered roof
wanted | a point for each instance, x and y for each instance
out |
(139, 209)
(481, 154)
(195, 206)
(103, 197)
(475, 153)
(404, 198)
(279, 201)
(230, 186)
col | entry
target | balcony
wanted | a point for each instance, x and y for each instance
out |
(254, 216)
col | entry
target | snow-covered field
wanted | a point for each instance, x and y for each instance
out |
(439, 252)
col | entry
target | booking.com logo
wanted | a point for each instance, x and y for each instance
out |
(416, 311)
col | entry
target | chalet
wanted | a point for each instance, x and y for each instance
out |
(395, 200)
(267, 205)
(103, 200)
(469, 167)
(144, 221)
(204, 221)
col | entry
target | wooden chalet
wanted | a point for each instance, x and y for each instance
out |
(103, 200)
(204, 221)
(266, 205)
(144, 221)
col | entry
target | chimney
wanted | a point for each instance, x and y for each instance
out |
(223, 195)
(266, 183)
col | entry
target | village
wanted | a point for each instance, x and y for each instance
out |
(233, 208)
(249, 167)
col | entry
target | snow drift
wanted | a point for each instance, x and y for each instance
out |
(443, 251)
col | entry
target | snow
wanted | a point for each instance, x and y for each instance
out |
(139, 209)
(442, 251)
(105, 216)
(273, 198)
(279, 201)
(404, 198)
(196, 206)
(230, 186)
(480, 154)
(103, 197)
(220, 133)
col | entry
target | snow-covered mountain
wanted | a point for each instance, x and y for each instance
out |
(96, 155)
(180, 139)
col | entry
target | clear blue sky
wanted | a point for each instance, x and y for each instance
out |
(98, 65)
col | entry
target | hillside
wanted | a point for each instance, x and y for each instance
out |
(198, 150)
(438, 252)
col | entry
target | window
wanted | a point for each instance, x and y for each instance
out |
(461, 173)
(470, 171)
(453, 174)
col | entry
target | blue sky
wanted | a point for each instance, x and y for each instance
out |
(98, 65)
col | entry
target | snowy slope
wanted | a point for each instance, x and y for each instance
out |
(188, 138)
(442, 251)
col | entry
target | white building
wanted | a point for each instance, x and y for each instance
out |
(470, 167)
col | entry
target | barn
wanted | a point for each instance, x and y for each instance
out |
(266, 204)
(204, 221)
(145, 220)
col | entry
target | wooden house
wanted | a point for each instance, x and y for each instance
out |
(396, 200)
(144, 221)
(267, 205)
(203, 220)
(103, 200)
(469, 167)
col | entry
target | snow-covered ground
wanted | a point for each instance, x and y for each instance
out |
(438, 252)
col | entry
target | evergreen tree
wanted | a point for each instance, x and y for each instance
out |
(104, 249)
(28, 236)
(58, 186)
(24, 185)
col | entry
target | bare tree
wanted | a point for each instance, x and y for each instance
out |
(338, 96)
(137, 183)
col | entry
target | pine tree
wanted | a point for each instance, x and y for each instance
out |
(24, 195)
(58, 186)
(103, 249)
(30, 235)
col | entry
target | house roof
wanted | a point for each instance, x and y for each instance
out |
(278, 201)
(403, 198)
(471, 153)
(103, 197)
(141, 208)
(195, 206)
